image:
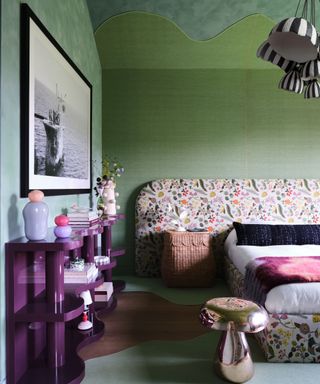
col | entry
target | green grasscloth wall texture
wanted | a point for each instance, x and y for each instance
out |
(69, 23)
(175, 107)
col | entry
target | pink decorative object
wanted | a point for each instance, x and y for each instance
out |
(63, 231)
(109, 200)
(35, 196)
(61, 220)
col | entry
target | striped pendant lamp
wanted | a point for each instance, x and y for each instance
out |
(295, 39)
(311, 69)
(265, 52)
(293, 45)
(312, 90)
(292, 82)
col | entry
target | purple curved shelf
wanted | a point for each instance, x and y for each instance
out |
(104, 267)
(41, 310)
(83, 338)
(118, 285)
(72, 372)
(104, 308)
(117, 252)
(90, 231)
(50, 243)
(80, 287)
(111, 219)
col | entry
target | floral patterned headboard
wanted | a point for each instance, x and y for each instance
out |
(213, 204)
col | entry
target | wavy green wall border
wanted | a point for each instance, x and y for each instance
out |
(146, 41)
(200, 19)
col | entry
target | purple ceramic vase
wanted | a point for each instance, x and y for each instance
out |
(35, 214)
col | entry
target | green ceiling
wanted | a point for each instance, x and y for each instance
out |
(199, 19)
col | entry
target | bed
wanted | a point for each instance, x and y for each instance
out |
(293, 333)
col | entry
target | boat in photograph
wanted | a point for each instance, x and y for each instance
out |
(54, 146)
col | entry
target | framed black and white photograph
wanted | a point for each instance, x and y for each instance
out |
(55, 115)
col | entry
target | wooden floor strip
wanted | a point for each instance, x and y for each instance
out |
(144, 316)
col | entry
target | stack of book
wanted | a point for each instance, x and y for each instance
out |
(104, 292)
(74, 276)
(83, 219)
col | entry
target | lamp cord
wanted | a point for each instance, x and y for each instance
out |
(305, 10)
(298, 6)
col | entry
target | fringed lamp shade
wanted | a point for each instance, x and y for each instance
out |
(295, 39)
(312, 90)
(292, 82)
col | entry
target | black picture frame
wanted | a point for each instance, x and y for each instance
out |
(56, 108)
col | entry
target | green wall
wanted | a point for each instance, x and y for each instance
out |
(175, 107)
(69, 23)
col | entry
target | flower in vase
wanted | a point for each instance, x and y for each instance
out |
(111, 169)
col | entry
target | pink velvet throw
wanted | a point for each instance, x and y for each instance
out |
(265, 273)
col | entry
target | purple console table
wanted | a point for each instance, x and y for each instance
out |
(41, 341)
(42, 312)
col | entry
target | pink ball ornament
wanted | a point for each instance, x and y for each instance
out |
(63, 232)
(61, 220)
(36, 196)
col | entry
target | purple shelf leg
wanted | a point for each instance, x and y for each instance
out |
(95, 244)
(88, 249)
(106, 242)
(106, 246)
(56, 344)
(55, 296)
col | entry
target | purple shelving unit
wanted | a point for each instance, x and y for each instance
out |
(103, 308)
(106, 246)
(42, 312)
(106, 225)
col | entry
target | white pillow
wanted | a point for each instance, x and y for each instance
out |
(231, 238)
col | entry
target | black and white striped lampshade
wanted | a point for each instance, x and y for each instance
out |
(292, 82)
(311, 69)
(312, 90)
(266, 52)
(294, 39)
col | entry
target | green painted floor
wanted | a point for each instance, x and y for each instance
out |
(184, 362)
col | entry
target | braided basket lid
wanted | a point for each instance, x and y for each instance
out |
(189, 238)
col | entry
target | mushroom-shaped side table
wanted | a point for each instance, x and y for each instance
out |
(235, 317)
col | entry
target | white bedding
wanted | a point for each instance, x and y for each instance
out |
(289, 298)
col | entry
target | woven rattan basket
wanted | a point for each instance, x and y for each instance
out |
(187, 259)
